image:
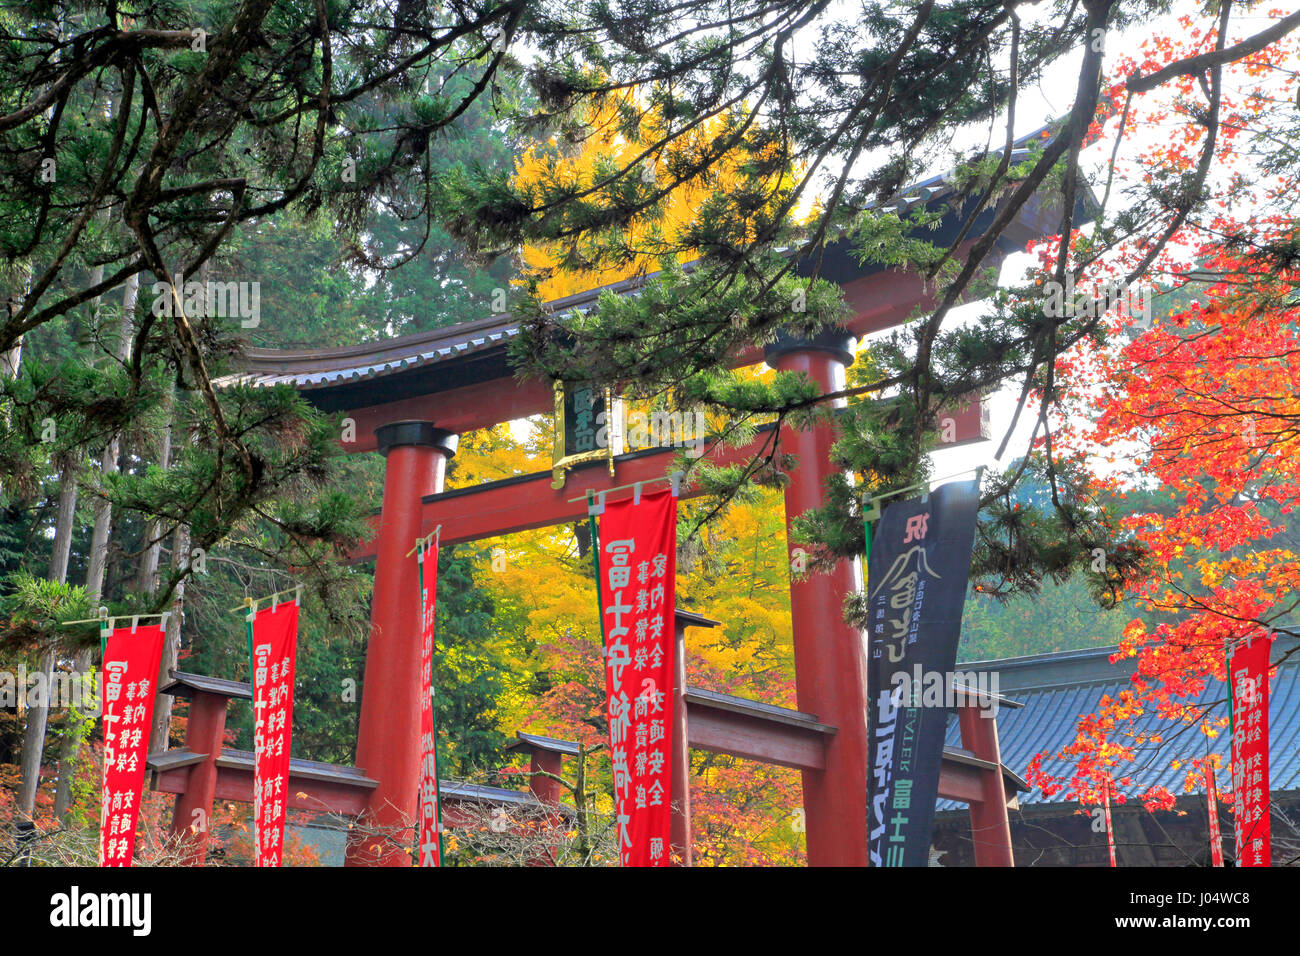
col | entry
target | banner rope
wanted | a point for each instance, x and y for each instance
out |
(106, 624)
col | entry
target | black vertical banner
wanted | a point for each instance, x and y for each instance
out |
(916, 588)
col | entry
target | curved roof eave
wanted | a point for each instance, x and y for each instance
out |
(318, 370)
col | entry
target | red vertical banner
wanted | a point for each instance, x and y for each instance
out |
(1248, 666)
(638, 569)
(1212, 796)
(429, 812)
(274, 640)
(131, 660)
(1110, 828)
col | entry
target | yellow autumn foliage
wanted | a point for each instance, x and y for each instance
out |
(608, 149)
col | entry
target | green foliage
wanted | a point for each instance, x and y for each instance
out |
(469, 673)
(36, 609)
(1060, 617)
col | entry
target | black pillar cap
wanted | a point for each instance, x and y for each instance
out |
(423, 434)
(838, 342)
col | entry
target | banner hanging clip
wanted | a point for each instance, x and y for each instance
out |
(636, 494)
(106, 622)
(422, 544)
(595, 503)
(675, 479)
(249, 606)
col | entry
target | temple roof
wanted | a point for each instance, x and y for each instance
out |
(481, 343)
(568, 748)
(185, 684)
(1057, 689)
(321, 368)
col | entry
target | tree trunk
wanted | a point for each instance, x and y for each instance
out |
(162, 705)
(580, 807)
(147, 575)
(70, 744)
(11, 357)
(38, 714)
(61, 554)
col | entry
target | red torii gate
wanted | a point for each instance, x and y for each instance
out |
(410, 398)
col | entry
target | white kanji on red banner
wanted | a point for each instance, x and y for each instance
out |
(275, 645)
(131, 660)
(1250, 785)
(638, 567)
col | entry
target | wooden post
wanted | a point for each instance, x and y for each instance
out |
(549, 793)
(192, 817)
(388, 738)
(829, 656)
(544, 788)
(680, 833)
(989, 821)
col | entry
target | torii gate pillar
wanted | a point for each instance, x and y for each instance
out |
(388, 744)
(829, 656)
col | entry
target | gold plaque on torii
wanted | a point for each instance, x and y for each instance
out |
(588, 427)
